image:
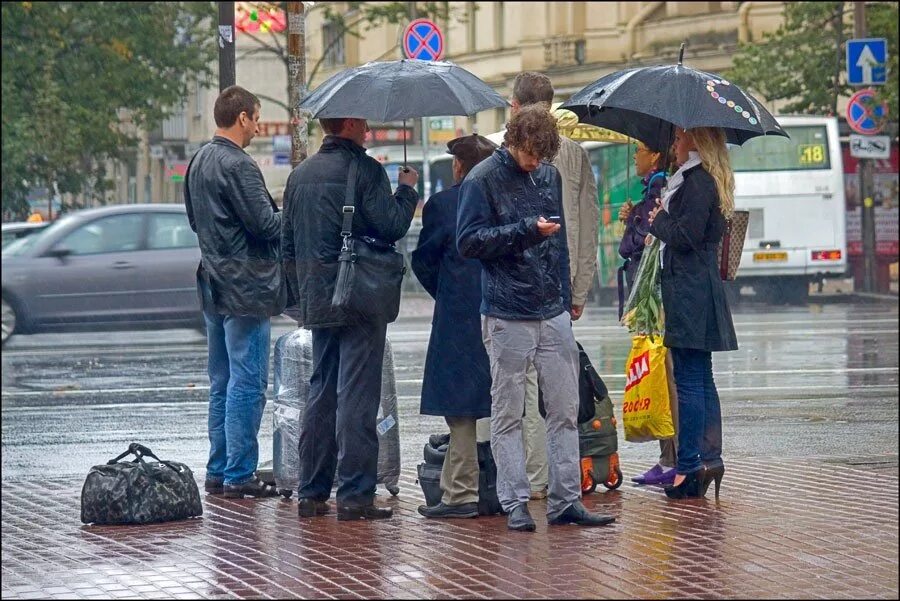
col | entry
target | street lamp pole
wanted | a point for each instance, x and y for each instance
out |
(226, 45)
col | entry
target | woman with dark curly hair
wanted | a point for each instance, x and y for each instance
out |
(511, 218)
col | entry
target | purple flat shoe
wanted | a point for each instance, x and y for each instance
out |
(653, 472)
(656, 475)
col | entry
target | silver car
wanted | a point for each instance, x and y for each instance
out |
(20, 229)
(115, 267)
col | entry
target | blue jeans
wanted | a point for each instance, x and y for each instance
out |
(699, 411)
(238, 377)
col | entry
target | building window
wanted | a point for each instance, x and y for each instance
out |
(332, 44)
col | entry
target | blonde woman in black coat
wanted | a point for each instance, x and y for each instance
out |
(689, 223)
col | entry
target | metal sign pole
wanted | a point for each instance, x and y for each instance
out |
(864, 175)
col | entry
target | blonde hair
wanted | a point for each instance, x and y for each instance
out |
(710, 143)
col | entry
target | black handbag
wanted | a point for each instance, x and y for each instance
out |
(370, 271)
(139, 492)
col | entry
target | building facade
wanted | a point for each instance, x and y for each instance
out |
(574, 43)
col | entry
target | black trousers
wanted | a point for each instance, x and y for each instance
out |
(338, 428)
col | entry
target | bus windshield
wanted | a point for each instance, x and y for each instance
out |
(807, 149)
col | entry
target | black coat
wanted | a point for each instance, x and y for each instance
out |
(457, 379)
(525, 275)
(239, 229)
(311, 240)
(696, 309)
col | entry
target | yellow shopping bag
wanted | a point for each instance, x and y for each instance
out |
(647, 414)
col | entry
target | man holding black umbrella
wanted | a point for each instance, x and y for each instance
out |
(345, 387)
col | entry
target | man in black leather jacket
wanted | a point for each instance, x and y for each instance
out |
(240, 284)
(345, 387)
(511, 218)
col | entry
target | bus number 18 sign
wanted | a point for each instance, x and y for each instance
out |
(422, 39)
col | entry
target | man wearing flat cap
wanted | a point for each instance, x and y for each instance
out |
(457, 381)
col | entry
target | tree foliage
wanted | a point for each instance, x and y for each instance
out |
(73, 70)
(802, 62)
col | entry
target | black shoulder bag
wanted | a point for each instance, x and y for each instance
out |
(370, 271)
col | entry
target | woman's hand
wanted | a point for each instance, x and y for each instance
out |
(654, 211)
(625, 211)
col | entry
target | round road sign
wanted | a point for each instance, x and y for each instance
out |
(864, 114)
(423, 40)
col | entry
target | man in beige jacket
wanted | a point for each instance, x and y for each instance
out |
(579, 190)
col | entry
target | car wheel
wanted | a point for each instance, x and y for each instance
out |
(9, 321)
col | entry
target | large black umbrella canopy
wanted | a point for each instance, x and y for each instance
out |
(645, 102)
(402, 89)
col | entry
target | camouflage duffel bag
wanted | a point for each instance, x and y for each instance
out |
(138, 491)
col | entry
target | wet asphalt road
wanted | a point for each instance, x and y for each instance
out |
(818, 381)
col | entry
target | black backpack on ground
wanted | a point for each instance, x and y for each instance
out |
(429, 474)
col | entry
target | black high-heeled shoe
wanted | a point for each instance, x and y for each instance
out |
(690, 487)
(711, 474)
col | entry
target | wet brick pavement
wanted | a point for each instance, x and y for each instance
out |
(782, 529)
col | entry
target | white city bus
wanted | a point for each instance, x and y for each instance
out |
(794, 190)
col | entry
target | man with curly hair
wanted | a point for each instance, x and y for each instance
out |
(511, 218)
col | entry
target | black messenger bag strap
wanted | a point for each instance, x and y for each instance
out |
(349, 203)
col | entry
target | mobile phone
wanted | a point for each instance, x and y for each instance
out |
(554, 218)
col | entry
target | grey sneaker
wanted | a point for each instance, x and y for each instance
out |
(576, 513)
(441, 510)
(520, 519)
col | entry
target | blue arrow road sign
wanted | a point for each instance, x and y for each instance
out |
(867, 61)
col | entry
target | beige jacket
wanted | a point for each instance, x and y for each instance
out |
(579, 189)
(582, 215)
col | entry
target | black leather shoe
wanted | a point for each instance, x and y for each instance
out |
(520, 519)
(308, 508)
(253, 488)
(365, 512)
(463, 510)
(576, 513)
(213, 487)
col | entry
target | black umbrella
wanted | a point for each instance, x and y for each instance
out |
(646, 102)
(400, 90)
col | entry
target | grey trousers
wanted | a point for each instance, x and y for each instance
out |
(534, 433)
(459, 477)
(550, 346)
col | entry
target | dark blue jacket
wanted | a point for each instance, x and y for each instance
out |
(697, 312)
(457, 380)
(524, 275)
